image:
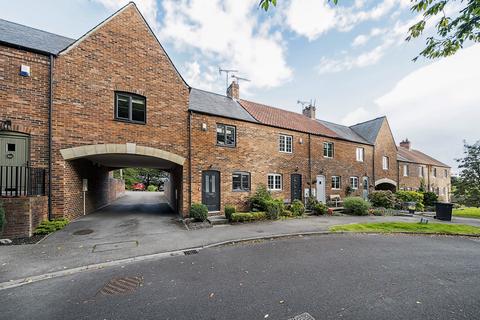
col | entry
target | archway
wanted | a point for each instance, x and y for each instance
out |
(386, 184)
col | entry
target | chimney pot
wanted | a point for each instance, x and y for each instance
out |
(233, 91)
(405, 144)
(309, 111)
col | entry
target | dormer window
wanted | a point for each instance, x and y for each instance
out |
(130, 108)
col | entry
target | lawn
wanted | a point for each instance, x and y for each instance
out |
(467, 212)
(391, 227)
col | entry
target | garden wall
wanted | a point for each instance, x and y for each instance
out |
(23, 215)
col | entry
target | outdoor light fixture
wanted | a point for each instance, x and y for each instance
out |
(5, 124)
(204, 126)
(300, 141)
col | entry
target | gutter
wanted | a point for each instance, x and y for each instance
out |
(50, 153)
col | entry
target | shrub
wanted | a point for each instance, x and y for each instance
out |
(3, 221)
(320, 209)
(287, 213)
(411, 196)
(377, 211)
(152, 188)
(297, 208)
(429, 198)
(382, 199)
(274, 208)
(47, 226)
(356, 206)
(248, 216)
(199, 212)
(259, 201)
(229, 210)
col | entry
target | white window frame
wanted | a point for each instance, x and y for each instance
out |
(285, 143)
(360, 153)
(277, 183)
(339, 183)
(354, 183)
(421, 172)
(385, 163)
(405, 170)
(325, 149)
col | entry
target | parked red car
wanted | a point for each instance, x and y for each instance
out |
(138, 186)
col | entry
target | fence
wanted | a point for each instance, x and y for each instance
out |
(21, 181)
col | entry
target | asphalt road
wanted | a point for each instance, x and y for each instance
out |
(328, 277)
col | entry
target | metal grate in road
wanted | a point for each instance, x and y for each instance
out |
(122, 285)
(303, 316)
(190, 252)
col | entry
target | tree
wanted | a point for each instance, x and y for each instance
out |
(467, 188)
(147, 176)
(451, 31)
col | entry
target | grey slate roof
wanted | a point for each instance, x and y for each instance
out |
(218, 105)
(369, 129)
(30, 38)
(344, 132)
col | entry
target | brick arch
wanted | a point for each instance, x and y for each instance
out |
(19, 128)
(128, 148)
(385, 180)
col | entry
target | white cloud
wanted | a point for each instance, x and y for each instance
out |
(229, 34)
(435, 106)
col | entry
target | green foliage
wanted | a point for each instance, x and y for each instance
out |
(147, 176)
(199, 212)
(259, 201)
(411, 196)
(388, 227)
(47, 227)
(382, 199)
(274, 209)
(152, 188)
(311, 202)
(429, 198)
(248, 216)
(297, 208)
(348, 191)
(356, 206)
(3, 221)
(229, 210)
(467, 185)
(467, 212)
(320, 209)
(377, 211)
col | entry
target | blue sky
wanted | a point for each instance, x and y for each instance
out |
(352, 59)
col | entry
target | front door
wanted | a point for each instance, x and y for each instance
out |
(211, 190)
(13, 160)
(296, 186)
(321, 189)
(365, 188)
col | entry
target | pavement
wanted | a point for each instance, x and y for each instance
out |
(336, 276)
(140, 224)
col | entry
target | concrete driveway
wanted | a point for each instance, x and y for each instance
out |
(137, 214)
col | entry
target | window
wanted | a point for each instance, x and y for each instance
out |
(405, 170)
(385, 163)
(420, 172)
(444, 191)
(435, 172)
(354, 183)
(445, 172)
(328, 149)
(360, 154)
(130, 107)
(274, 181)
(336, 182)
(226, 135)
(285, 143)
(241, 181)
(11, 147)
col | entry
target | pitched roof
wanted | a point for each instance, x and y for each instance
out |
(411, 155)
(218, 105)
(343, 131)
(22, 36)
(369, 129)
(286, 119)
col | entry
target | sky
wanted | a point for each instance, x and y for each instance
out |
(352, 60)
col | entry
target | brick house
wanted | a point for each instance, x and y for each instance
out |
(74, 110)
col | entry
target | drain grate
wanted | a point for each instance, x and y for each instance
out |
(190, 252)
(122, 285)
(82, 232)
(303, 316)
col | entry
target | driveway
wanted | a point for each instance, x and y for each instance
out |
(133, 215)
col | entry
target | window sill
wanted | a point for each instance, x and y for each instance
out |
(275, 190)
(240, 190)
(129, 121)
(286, 152)
(226, 146)
(325, 157)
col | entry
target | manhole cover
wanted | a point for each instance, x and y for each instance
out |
(190, 252)
(303, 316)
(122, 285)
(82, 232)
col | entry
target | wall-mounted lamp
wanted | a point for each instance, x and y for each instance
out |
(5, 125)
(25, 70)
(204, 127)
(300, 140)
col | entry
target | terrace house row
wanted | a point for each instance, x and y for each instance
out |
(73, 110)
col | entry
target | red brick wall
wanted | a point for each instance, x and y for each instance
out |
(23, 215)
(385, 146)
(439, 184)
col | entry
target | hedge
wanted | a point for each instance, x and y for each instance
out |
(248, 216)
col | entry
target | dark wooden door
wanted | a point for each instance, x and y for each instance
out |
(211, 190)
(296, 186)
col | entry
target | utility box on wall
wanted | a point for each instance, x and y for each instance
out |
(85, 185)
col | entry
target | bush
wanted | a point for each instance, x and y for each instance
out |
(199, 212)
(377, 211)
(3, 221)
(152, 188)
(356, 206)
(429, 198)
(311, 202)
(297, 208)
(287, 213)
(229, 210)
(248, 216)
(274, 208)
(47, 226)
(411, 196)
(259, 201)
(320, 209)
(382, 199)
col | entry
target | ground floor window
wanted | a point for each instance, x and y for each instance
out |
(354, 183)
(241, 181)
(274, 181)
(336, 184)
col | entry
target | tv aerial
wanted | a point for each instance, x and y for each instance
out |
(240, 78)
(227, 72)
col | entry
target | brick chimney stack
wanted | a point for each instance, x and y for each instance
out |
(233, 91)
(309, 111)
(405, 144)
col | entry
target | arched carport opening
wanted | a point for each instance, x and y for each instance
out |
(386, 184)
(93, 166)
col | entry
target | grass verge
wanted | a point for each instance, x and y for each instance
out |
(392, 227)
(467, 212)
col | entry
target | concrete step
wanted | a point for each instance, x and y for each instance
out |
(216, 220)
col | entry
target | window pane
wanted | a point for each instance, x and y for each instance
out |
(278, 182)
(138, 109)
(122, 107)
(245, 182)
(220, 134)
(288, 144)
(270, 181)
(236, 181)
(282, 143)
(230, 136)
(11, 147)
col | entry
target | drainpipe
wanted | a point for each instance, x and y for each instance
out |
(190, 115)
(50, 153)
(373, 166)
(309, 166)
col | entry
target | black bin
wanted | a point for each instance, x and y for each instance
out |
(443, 211)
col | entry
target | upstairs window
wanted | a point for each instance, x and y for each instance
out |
(328, 149)
(274, 181)
(285, 143)
(354, 183)
(445, 172)
(385, 163)
(435, 172)
(405, 170)
(241, 181)
(360, 154)
(226, 135)
(130, 107)
(336, 182)
(420, 172)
